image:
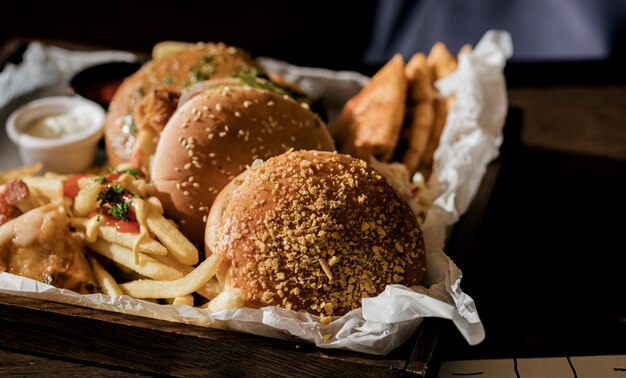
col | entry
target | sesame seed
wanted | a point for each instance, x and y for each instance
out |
(218, 107)
(222, 134)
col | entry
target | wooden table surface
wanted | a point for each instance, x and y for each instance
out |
(546, 262)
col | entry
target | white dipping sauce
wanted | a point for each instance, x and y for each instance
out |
(61, 125)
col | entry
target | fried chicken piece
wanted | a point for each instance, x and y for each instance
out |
(39, 245)
(156, 108)
(370, 122)
(151, 116)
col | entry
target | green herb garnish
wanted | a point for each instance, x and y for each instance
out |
(120, 210)
(169, 80)
(255, 79)
(113, 195)
(100, 179)
(131, 171)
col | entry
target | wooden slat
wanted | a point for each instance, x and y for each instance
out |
(163, 347)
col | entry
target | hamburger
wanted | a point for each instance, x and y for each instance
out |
(145, 101)
(215, 135)
(315, 232)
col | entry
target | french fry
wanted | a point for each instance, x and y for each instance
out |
(20, 172)
(441, 63)
(177, 244)
(171, 261)
(227, 299)
(420, 128)
(184, 300)
(85, 201)
(105, 281)
(127, 239)
(419, 78)
(147, 266)
(176, 288)
(210, 290)
(421, 91)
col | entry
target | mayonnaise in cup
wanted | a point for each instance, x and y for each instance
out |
(60, 132)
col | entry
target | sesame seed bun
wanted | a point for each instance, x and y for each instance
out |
(174, 72)
(213, 136)
(314, 231)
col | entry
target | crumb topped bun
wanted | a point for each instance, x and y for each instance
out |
(314, 231)
(213, 136)
(171, 73)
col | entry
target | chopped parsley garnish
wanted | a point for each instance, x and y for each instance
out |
(111, 194)
(120, 210)
(169, 80)
(104, 179)
(114, 199)
(255, 79)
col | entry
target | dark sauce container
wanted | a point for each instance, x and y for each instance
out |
(99, 82)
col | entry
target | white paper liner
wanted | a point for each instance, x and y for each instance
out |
(471, 138)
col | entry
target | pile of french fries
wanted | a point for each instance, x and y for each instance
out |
(157, 264)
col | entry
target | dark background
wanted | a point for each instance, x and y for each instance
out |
(334, 34)
(323, 33)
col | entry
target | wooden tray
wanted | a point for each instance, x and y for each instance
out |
(159, 347)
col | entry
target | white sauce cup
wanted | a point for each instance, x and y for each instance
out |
(68, 154)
